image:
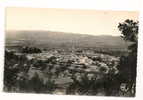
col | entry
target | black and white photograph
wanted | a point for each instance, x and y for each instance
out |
(70, 51)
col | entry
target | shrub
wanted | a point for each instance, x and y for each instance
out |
(31, 50)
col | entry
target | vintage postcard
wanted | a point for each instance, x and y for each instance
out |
(71, 51)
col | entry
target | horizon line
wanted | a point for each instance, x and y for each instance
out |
(65, 32)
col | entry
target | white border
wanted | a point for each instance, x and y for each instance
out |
(128, 5)
(77, 4)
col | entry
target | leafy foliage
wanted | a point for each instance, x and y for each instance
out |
(127, 66)
(129, 30)
(30, 50)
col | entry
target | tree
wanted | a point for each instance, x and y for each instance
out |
(127, 66)
(129, 30)
(31, 50)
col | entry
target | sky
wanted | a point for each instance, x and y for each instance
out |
(92, 22)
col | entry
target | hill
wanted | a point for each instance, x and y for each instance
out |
(64, 40)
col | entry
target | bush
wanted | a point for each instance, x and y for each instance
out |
(83, 85)
(36, 84)
(31, 50)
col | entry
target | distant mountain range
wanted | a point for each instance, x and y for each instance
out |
(62, 39)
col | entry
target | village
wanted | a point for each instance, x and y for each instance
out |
(62, 67)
